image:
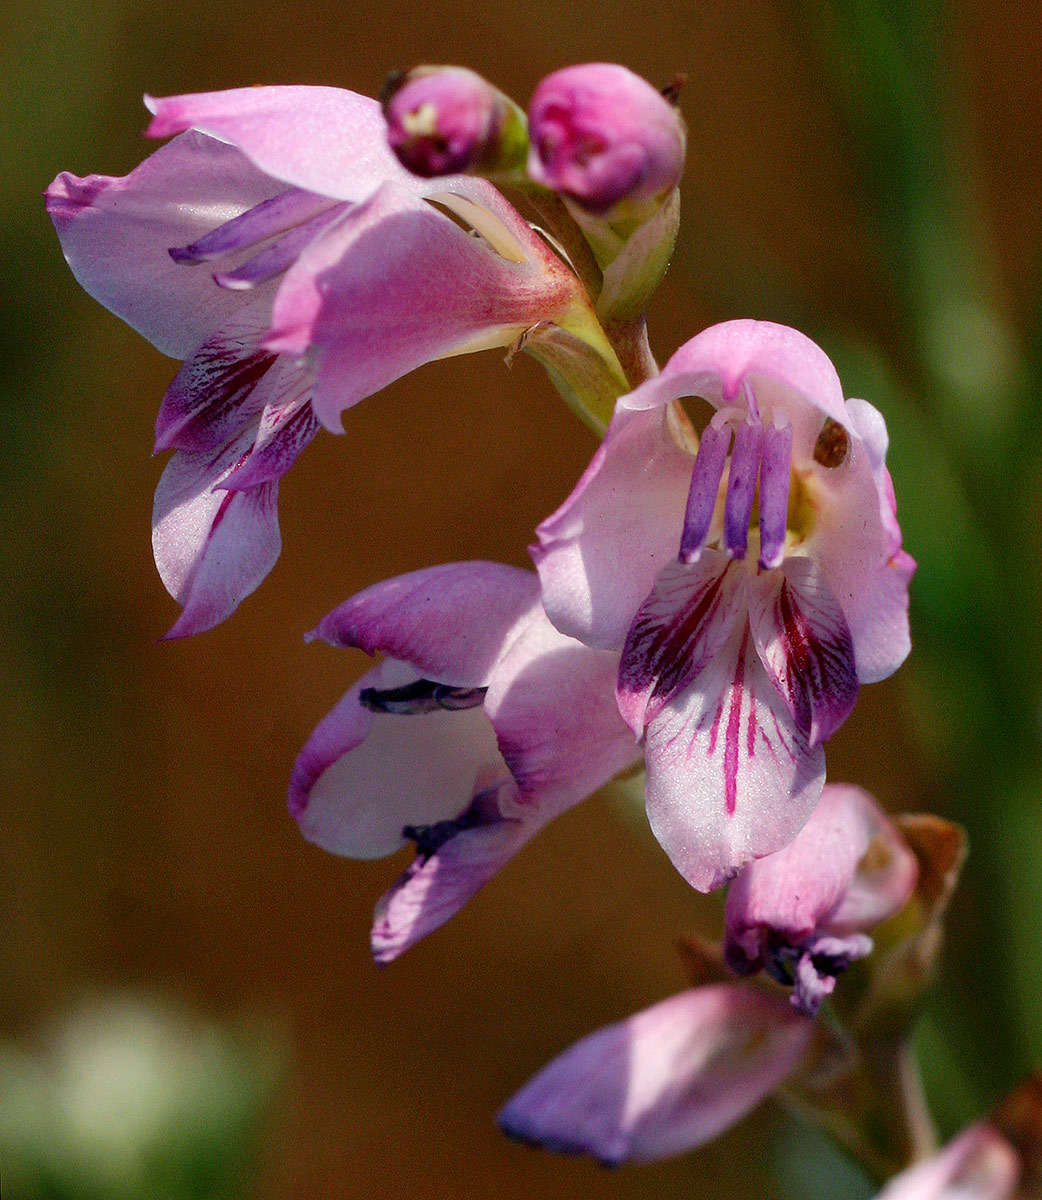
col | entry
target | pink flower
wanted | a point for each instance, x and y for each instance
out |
(481, 725)
(802, 913)
(977, 1165)
(278, 247)
(665, 1080)
(605, 138)
(744, 629)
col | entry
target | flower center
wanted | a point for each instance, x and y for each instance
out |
(760, 462)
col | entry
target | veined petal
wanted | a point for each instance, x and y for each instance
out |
(451, 622)
(396, 284)
(324, 139)
(220, 388)
(116, 235)
(683, 624)
(436, 886)
(803, 641)
(978, 1165)
(284, 430)
(793, 890)
(363, 776)
(663, 1081)
(599, 555)
(212, 547)
(781, 367)
(729, 776)
(551, 701)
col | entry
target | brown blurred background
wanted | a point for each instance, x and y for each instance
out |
(148, 842)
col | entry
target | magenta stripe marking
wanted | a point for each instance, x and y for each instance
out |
(731, 738)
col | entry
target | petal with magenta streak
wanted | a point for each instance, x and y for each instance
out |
(729, 776)
(804, 643)
(682, 625)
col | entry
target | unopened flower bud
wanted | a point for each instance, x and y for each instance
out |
(605, 138)
(448, 120)
(802, 914)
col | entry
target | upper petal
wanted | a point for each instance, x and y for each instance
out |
(362, 777)
(212, 547)
(396, 283)
(451, 622)
(663, 1081)
(116, 235)
(803, 641)
(551, 701)
(325, 139)
(599, 554)
(857, 543)
(783, 368)
(729, 777)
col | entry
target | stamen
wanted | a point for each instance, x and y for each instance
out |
(705, 484)
(278, 255)
(421, 696)
(262, 221)
(775, 473)
(741, 487)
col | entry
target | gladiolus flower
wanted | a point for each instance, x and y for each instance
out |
(279, 248)
(802, 913)
(481, 725)
(751, 587)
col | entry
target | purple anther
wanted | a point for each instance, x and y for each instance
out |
(775, 472)
(741, 486)
(254, 225)
(280, 254)
(705, 484)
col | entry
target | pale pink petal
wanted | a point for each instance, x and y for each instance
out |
(885, 878)
(325, 139)
(117, 234)
(803, 641)
(729, 777)
(212, 547)
(551, 701)
(679, 629)
(783, 369)
(598, 556)
(364, 776)
(663, 1081)
(396, 284)
(978, 1165)
(451, 622)
(435, 887)
(858, 549)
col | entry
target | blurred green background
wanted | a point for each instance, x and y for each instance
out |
(868, 171)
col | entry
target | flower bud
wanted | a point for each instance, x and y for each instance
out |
(605, 138)
(448, 120)
(802, 914)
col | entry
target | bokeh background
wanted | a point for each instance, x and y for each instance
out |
(888, 205)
